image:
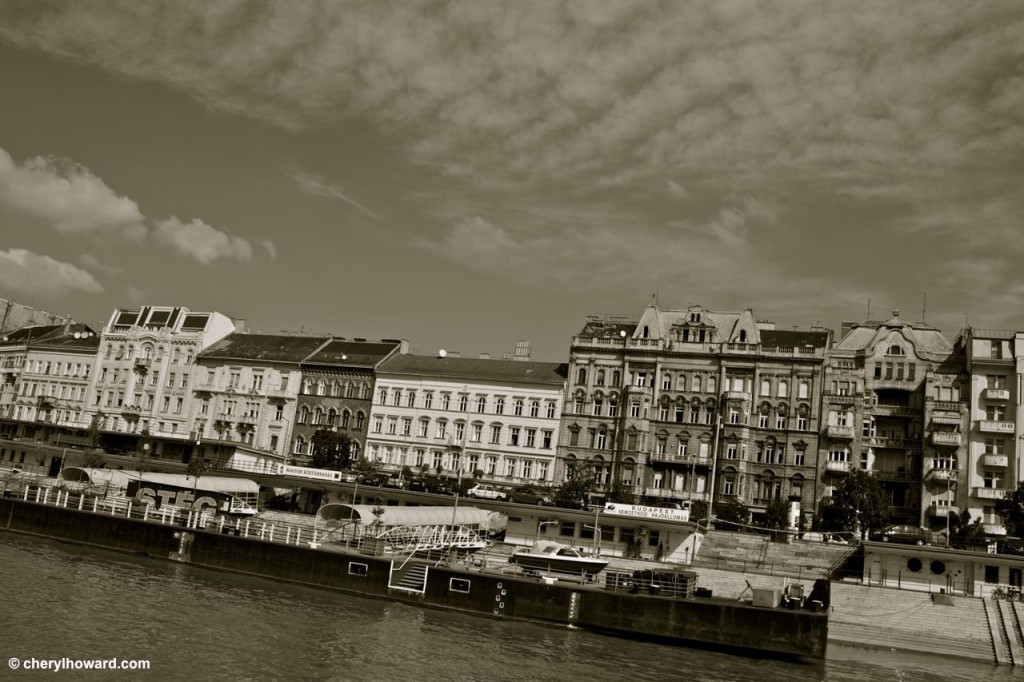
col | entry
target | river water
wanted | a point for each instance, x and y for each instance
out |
(65, 601)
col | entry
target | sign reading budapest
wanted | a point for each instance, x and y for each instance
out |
(641, 512)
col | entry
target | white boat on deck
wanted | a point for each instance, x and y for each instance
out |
(554, 557)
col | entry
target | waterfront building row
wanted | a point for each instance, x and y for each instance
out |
(672, 405)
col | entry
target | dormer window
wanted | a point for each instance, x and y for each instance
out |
(896, 350)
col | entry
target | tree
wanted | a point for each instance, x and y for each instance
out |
(1011, 508)
(94, 428)
(94, 460)
(732, 511)
(331, 450)
(579, 481)
(196, 468)
(698, 510)
(621, 494)
(776, 517)
(859, 502)
(963, 532)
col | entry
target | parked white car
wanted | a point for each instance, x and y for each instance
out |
(486, 491)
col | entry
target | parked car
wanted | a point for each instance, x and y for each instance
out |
(906, 535)
(526, 495)
(486, 491)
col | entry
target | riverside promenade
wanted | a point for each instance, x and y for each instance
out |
(863, 616)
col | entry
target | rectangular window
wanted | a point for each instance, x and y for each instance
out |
(378, 424)
(406, 426)
(477, 432)
(634, 409)
(799, 457)
(392, 426)
(514, 435)
(546, 439)
(458, 585)
(356, 569)
(801, 423)
(780, 422)
(495, 434)
(550, 413)
(531, 437)
(460, 432)
(442, 429)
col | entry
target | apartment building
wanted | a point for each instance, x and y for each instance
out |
(245, 391)
(44, 378)
(892, 406)
(337, 392)
(995, 366)
(140, 379)
(695, 404)
(463, 416)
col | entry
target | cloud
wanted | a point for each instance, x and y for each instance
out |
(68, 196)
(22, 270)
(200, 241)
(582, 142)
(270, 247)
(90, 262)
(317, 186)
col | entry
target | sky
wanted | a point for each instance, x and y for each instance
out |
(466, 174)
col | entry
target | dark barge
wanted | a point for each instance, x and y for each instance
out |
(612, 608)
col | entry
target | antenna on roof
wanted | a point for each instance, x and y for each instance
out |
(869, 309)
(924, 305)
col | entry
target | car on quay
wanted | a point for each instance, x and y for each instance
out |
(527, 495)
(486, 491)
(903, 534)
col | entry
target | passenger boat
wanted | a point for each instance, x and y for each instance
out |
(547, 556)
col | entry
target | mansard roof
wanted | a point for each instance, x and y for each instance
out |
(74, 336)
(512, 371)
(928, 342)
(287, 348)
(794, 338)
(353, 353)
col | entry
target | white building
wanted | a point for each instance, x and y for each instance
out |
(141, 373)
(461, 416)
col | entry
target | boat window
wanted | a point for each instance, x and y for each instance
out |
(565, 551)
(459, 585)
(356, 569)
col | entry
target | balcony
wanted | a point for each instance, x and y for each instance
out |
(897, 443)
(893, 410)
(131, 411)
(204, 388)
(949, 439)
(997, 394)
(143, 363)
(938, 511)
(994, 528)
(845, 399)
(836, 467)
(902, 384)
(991, 460)
(986, 426)
(940, 474)
(836, 431)
(681, 459)
(735, 395)
(947, 419)
(988, 493)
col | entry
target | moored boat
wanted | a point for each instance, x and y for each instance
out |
(547, 556)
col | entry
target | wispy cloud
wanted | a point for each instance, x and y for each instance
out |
(200, 241)
(28, 272)
(535, 113)
(317, 186)
(270, 247)
(90, 262)
(68, 196)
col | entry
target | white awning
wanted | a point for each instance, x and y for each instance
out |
(405, 516)
(118, 478)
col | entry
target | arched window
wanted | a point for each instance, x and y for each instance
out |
(321, 387)
(695, 383)
(300, 445)
(345, 416)
(581, 376)
(318, 416)
(712, 384)
(303, 414)
(307, 387)
(599, 378)
(783, 389)
(353, 450)
(804, 389)
(766, 387)
(332, 416)
(616, 377)
(177, 355)
(360, 418)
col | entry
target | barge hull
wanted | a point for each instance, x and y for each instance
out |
(702, 622)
